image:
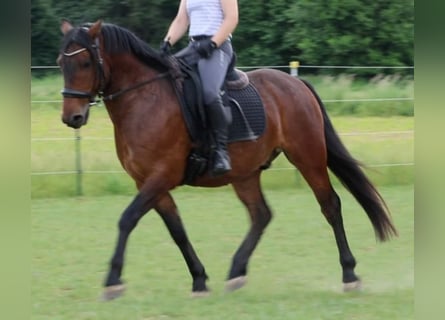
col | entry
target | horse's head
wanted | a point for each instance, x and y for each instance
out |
(82, 67)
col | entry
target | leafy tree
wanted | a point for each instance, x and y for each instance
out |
(274, 32)
(44, 34)
(149, 19)
(353, 32)
(80, 11)
(258, 39)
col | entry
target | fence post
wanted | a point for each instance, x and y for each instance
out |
(77, 142)
(293, 65)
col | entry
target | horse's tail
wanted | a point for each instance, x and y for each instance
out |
(348, 171)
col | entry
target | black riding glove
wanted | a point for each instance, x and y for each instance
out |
(205, 47)
(165, 47)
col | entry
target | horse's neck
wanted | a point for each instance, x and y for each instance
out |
(127, 72)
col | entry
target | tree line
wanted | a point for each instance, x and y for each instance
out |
(270, 32)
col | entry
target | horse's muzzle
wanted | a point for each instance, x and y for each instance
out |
(75, 120)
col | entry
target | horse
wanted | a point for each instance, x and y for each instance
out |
(105, 60)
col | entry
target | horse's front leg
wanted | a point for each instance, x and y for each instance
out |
(168, 211)
(140, 205)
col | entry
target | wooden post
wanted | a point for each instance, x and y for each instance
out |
(77, 141)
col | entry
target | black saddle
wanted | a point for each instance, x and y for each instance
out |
(246, 107)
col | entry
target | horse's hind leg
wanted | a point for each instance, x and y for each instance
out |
(169, 214)
(331, 207)
(314, 170)
(250, 194)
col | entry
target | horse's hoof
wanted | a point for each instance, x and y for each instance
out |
(113, 292)
(235, 283)
(200, 294)
(352, 286)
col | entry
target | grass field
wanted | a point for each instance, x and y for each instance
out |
(294, 273)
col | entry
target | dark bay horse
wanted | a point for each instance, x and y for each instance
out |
(153, 144)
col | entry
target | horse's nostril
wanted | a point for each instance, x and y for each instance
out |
(77, 118)
(75, 121)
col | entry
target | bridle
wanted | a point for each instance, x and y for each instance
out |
(94, 50)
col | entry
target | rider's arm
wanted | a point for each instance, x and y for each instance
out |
(230, 11)
(179, 24)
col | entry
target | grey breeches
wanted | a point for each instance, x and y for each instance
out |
(212, 71)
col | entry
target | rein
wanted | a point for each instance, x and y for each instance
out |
(143, 83)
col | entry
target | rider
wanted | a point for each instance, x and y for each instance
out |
(210, 24)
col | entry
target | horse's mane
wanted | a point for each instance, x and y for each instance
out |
(117, 39)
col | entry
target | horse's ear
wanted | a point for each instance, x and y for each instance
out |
(65, 26)
(95, 29)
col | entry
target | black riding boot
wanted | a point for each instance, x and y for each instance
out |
(219, 122)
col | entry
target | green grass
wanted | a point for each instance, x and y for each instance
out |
(347, 87)
(294, 273)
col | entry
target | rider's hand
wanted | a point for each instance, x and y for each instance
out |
(205, 47)
(165, 47)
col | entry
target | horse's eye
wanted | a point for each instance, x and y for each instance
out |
(86, 64)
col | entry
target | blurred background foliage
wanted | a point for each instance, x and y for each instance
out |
(273, 32)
